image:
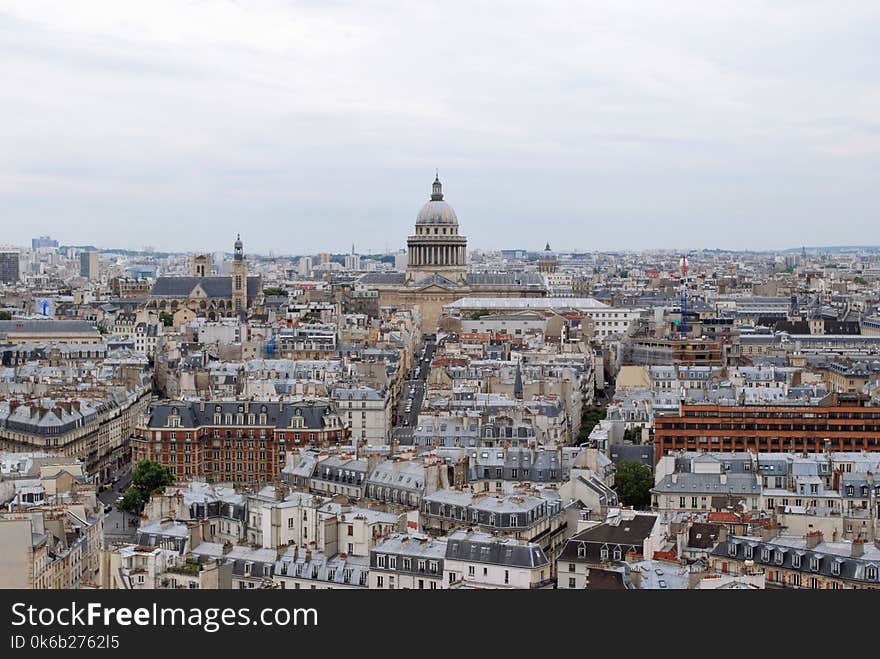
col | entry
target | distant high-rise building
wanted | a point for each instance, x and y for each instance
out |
(324, 257)
(9, 266)
(88, 265)
(43, 241)
(352, 262)
(306, 263)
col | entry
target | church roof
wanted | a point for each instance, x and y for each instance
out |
(220, 287)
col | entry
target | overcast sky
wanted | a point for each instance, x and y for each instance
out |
(313, 125)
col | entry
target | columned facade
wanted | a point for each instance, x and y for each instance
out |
(436, 248)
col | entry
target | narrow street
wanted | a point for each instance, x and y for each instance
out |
(117, 524)
(413, 394)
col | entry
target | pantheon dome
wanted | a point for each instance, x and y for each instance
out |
(436, 211)
(436, 249)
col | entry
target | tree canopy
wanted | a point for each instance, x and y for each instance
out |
(147, 478)
(589, 419)
(633, 482)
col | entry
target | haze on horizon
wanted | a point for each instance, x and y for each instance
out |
(311, 126)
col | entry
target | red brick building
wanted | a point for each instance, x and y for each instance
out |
(839, 423)
(242, 441)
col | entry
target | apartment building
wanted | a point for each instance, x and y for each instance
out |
(838, 422)
(241, 441)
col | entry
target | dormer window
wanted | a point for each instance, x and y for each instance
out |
(871, 573)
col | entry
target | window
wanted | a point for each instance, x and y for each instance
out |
(572, 582)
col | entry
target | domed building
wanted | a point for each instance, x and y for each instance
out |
(547, 262)
(436, 268)
(436, 248)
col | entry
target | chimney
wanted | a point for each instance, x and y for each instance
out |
(771, 530)
(813, 539)
(858, 547)
(227, 547)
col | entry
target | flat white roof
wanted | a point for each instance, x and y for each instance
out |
(526, 303)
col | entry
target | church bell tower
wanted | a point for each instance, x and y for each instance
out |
(239, 278)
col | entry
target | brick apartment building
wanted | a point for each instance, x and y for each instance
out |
(839, 422)
(240, 441)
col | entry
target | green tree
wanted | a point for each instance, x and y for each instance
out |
(132, 501)
(274, 291)
(633, 482)
(5, 315)
(166, 318)
(479, 313)
(589, 420)
(861, 280)
(633, 435)
(147, 478)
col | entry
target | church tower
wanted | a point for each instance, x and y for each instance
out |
(239, 278)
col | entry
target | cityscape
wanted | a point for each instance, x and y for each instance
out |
(439, 418)
(309, 296)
